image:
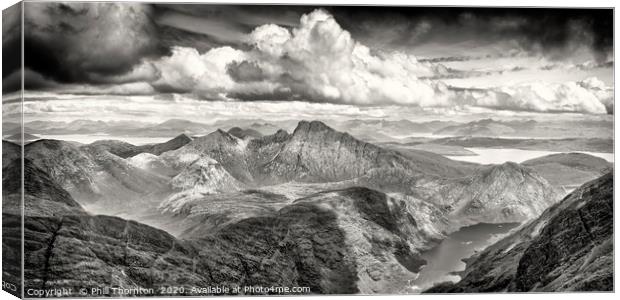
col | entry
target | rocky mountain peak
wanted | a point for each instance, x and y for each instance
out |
(281, 134)
(218, 137)
(306, 127)
(500, 193)
(244, 133)
(509, 171)
(48, 143)
(181, 138)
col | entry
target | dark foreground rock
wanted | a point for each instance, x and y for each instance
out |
(301, 246)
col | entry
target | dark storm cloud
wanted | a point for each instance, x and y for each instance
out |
(11, 48)
(551, 31)
(242, 17)
(85, 42)
(32, 81)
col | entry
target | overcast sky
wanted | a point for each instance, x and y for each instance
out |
(123, 58)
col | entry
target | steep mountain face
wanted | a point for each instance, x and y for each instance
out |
(302, 246)
(317, 153)
(92, 175)
(569, 170)
(225, 148)
(568, 248)
(10, 151)
(42, 195)
(351, 240)
(380, 232)
(498, 194)
(125, 150)
(65, 163)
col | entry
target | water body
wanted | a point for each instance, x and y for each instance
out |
(447, 257)
(500, 156)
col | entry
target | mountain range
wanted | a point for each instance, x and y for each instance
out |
(549, 129)
(313, 153)
(370, 130)
(315, 207)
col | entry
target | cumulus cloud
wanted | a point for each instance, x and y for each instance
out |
(604, 93)
(320, 61)
(317, 61)
(536, 96)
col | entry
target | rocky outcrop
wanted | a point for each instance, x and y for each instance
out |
(568, 248)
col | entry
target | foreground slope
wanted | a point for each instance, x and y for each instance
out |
(568, 248)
